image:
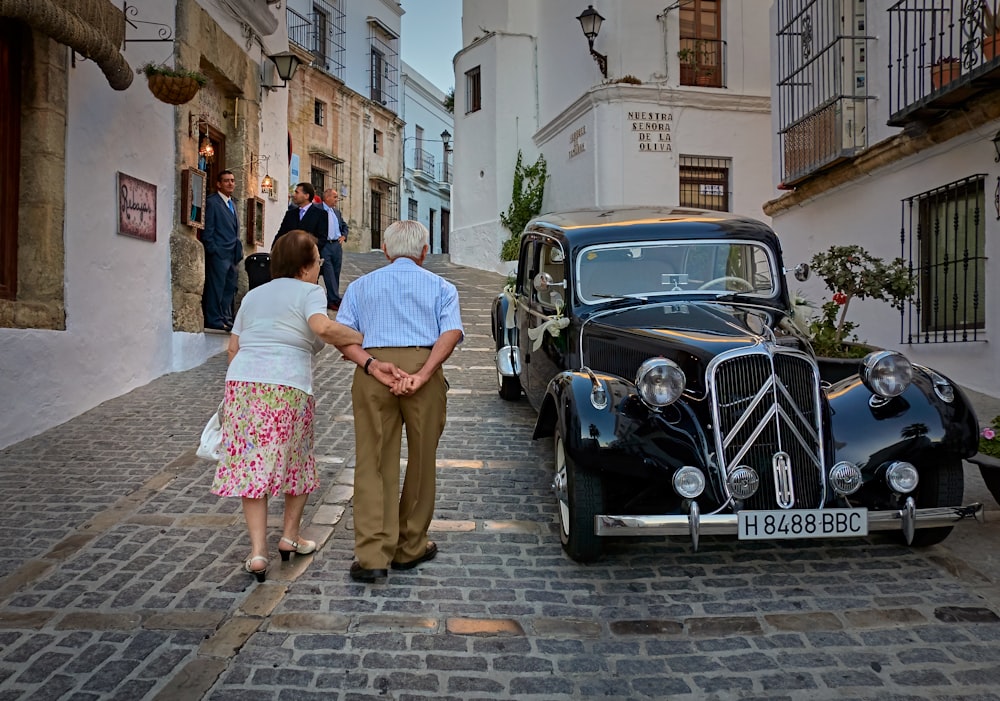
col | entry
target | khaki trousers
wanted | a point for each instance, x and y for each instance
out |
(389, 525)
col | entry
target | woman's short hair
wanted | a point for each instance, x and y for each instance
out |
(405, 238)
(292, 252)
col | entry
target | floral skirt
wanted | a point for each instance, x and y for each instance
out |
(267, 442)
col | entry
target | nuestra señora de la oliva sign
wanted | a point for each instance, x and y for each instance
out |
(652, 130)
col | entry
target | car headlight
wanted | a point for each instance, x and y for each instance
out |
(743, 482)
(886, 373)
(689, 482)
(902, 477)
(845, 478)
(660, 382)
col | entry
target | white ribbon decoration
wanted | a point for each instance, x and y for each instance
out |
(553, 324)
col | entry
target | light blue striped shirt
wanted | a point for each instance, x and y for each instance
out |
(401, 305)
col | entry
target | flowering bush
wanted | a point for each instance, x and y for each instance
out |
(989, 444)
(850, 273)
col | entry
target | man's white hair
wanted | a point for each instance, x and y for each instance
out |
(405, 238)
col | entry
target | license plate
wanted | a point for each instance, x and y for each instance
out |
(802, 523)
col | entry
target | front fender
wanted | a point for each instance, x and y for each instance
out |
(498, 313)
(918, 426)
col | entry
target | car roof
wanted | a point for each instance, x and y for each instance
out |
(583, 227)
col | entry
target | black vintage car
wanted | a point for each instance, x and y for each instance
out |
(657, 346)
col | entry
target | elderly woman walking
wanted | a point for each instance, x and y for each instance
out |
(267, 419)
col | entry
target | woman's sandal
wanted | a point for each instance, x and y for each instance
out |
(302, 547)
(261, 575)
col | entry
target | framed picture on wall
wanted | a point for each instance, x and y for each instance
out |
(255, 221)
(136, 208)
(194, 184)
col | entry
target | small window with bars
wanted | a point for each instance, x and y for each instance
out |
(318, 178)
(704, 182)
(319, 112)
(473, 91)
(944, 236)
(411, 210)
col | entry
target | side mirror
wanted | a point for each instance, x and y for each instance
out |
(543, 281)
(802, 272)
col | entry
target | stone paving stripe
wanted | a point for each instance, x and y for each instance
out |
(801, 622)
(484, 626)
(532, 527)
(471, 464)
(342, 418)
(438, 526)
(193, 680)
(563, 627)
(150, 520)
(877, 618)
(329, 515)
(723, 626)
(87, 620)
(338, 494)
(184, 620)
(459, 391)
(336, 460)
(23, 576)
(230, 637)
(263, 600)
(965, 614)
(33, 620)
(646, 627)
(308, 623)
(960, 569)
(209, 520)
(508, 464)
(396, 623)
(70, 546)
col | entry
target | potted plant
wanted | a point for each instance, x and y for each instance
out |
(695, 68)
(175, 86)
(990, 24)
(988, 457)
(944, 71)
(851, 272)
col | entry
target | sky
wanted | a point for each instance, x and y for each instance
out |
(432, 35)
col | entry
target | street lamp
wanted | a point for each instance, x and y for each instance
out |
(590, 22)
(446, 140)
(285, 64)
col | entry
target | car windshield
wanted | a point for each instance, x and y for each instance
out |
(678, 268)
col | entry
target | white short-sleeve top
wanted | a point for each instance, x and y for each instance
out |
(276, 344)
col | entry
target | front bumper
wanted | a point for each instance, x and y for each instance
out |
(905, 520)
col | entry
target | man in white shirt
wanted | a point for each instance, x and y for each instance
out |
(333, 252)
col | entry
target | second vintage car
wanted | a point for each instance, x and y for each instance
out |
(657, 348)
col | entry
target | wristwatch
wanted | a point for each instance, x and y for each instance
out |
(371, 359)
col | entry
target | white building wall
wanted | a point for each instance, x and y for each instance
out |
(543, 93)
(423, 106)
(868, 211)
(119, 328)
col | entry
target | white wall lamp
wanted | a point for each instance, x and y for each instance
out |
(590, 22)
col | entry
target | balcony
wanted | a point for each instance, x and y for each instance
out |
(703, 62)
(422, 163)
(322, 34)
(942, 55)
(444, 175)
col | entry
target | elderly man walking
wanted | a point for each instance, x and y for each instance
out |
(410, 320)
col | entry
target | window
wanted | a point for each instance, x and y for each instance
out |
(318, 179)
(418, 149)
(473, 91)
(376, 141)
(319, 112)
(10, 153)
(701, 47)
(378, 69)
(945, 235)
(411, 210)
(321, 31)
(384, 64)
(704, 183)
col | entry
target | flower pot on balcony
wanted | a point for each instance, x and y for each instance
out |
(990, 46)
(944, 71)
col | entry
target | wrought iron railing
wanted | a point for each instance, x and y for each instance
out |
(322, 34)
(703, 62)
(299, 29)
(943, 238)
(444, 172)
(422, 161)
(934, 45)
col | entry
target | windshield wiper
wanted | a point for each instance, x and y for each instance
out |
(603, 295)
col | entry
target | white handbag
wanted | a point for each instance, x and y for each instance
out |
(210, 447)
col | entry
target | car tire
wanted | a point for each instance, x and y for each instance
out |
(991, 476)
(942, 487)
(508, 387)
(579, 498)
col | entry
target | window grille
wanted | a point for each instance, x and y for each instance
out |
(384, 64)
(473, 91)
(322, 34)
(822, 84)
(704, 183)
(411, 212)
(318, 179)
(943, 236)
(319, 112)
(702, 52)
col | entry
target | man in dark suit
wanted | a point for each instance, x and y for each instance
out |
(303, 215)
(333, 253)
(223, 252)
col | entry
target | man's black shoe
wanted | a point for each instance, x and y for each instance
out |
(361, 574)
(429, 554)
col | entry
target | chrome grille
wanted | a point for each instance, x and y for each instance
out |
(765, 401)
(614, 358)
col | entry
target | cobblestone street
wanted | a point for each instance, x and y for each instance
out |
(121, 575)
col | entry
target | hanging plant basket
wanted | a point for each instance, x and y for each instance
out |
(173, 90)
(174, 86)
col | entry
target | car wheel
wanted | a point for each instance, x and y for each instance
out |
(943, 487)
(508, 387)
(579, 496)
(991, 476)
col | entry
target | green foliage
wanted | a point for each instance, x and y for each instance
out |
(630, 79)
(449, 101)
(526, 203)
(850, 272)
(151, 69)
(989, 439)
